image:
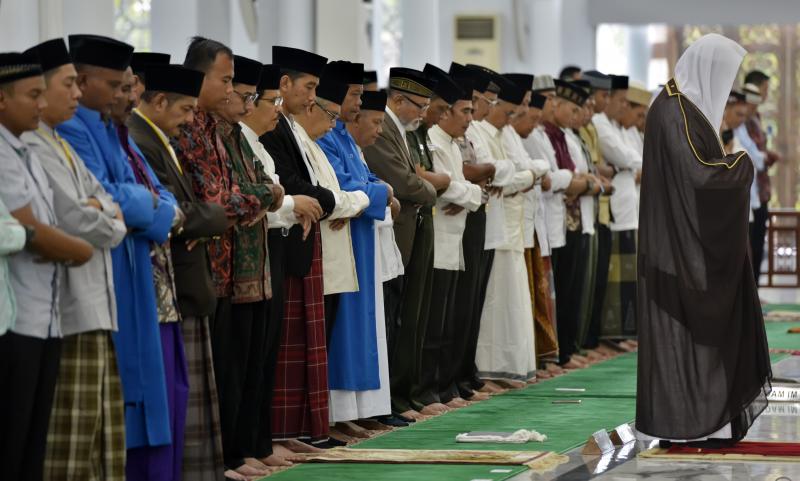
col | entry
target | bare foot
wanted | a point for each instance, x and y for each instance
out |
(249, 471)
(352, 430)
(231, 474)
(532, 380)
(372, 425)
(492, 387)
(607, 351)
(434, 409)
(343, 437)
(456, 403)
(297, 446)
(543, 374)
(276, 460)
(572, 364)
(510, 384)
(580, 359)
(479, 396)
(554, 369)
(595, 356)
(411, 414)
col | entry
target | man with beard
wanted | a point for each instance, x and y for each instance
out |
(391, 159)
(167, 105)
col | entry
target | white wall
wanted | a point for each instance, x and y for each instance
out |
(88, 16)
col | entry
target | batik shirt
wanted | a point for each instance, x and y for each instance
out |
(251, 276)
(202, 153)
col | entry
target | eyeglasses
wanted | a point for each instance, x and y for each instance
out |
(422, 107)
(333, 115)
(276, 101)
(247, 98)
(489, 101)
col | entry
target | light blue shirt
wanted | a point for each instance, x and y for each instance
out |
(756, 156)
(12, 239)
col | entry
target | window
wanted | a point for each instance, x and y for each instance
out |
(132, 22)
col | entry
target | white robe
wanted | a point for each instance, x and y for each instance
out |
(506, 347)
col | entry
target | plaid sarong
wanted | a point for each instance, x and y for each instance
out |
(202, 452)
(619, 308)
(300, 402)
(86, 437)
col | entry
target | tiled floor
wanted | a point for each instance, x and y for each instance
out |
(781, 422)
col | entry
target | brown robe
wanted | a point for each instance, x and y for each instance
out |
(703, 359)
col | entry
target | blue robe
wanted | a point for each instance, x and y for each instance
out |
(138, 341)
(353, 352)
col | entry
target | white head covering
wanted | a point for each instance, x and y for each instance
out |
(706, 71)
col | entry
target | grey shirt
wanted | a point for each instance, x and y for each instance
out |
(22, 183)
(87, 299)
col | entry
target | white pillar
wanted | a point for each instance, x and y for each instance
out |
(51, 21)
(545, 36)
(638, 54)
(420, 33)
(290, 23)
(341, 32)
(19, 24)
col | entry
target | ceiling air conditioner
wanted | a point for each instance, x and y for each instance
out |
(477, 40)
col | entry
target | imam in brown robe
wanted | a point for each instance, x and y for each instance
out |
(703, 359)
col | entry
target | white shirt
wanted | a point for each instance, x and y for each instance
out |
(625, 158)
(449, 229)
(311, 174)
(338, 261)
(504, 171)
(521, 157)
(283, 217)
(513, 204)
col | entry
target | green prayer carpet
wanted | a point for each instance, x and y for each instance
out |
(608, 400)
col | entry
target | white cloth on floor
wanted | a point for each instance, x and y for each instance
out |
(517, 437)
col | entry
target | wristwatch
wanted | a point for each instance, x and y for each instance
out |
(30, 233)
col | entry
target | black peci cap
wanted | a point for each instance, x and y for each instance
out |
(51, 54)
(175, 79)
(141, 60)
(345, 72)
(17, 66)
(373, 101)
(288, 58)
(100, 51)
(411, 81)
(270, 78)
(332, 91)
(246, 70)
(446, 87)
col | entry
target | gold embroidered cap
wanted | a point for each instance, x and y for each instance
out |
(569, 91)
(17, 66)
